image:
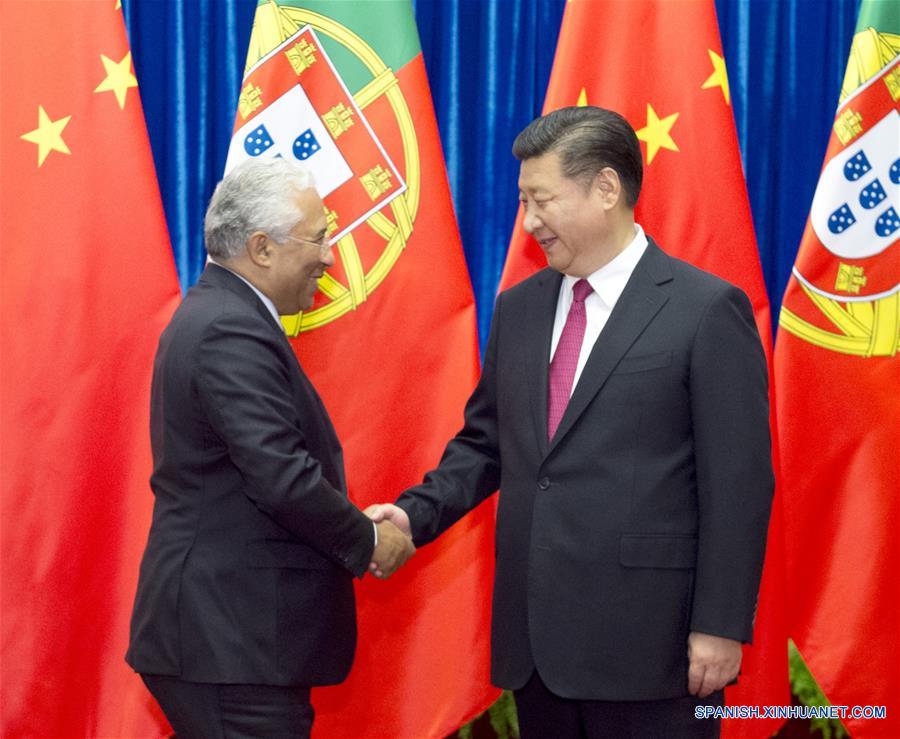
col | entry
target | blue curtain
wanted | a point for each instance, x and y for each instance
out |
(786, 61)
(189, 61)
(488, 64)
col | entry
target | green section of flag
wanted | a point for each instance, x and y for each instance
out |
(882, 15)
(388, 26)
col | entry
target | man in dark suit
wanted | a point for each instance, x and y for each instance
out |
(622, 412)
(245, 597)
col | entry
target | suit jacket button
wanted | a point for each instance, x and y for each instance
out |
(544, 483)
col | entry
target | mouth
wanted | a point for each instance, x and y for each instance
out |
(547, 242)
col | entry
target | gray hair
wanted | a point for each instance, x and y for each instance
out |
(586, 139)
(257, 195)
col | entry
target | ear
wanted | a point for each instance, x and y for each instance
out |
(609, 186)
(259, 249)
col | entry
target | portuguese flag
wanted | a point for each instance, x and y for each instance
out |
(837, 368)
(660, 65)
(390, 342)
(87, 282)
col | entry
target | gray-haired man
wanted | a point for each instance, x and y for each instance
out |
(245, 597)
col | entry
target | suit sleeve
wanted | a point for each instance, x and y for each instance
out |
(469, 470)
(733, 452)
(244, 387)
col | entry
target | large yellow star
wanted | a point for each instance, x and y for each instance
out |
(582, 99)
(656, 133)
(48, 135)
(719, 77)
(118, 78)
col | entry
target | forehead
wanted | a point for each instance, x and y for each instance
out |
(543, 172)
(310, 204)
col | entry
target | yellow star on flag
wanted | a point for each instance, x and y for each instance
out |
(582, 99)
(118, 78)
(719, 77)
(656, 133)
(48, 135)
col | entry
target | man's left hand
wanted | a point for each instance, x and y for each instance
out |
(714, 662)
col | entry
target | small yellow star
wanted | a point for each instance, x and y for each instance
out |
(656, 133)
(118, 78)
(719, 77)
(48, 135)
(582, 99)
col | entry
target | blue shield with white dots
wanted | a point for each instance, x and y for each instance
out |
(872, 195)
(305, 145)
(257, 141)
(841, 219)
(857, 166)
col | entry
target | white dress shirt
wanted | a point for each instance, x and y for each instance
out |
(608, 283)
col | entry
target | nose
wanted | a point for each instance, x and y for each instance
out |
(530, 222)
(327, 256)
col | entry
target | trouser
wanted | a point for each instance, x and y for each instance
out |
(212, 711)
(543, 714)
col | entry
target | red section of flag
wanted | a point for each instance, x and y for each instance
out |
(395, 375)
(837, 370)
(88, 282)
(660, 65)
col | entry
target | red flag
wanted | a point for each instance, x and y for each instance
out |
(390, 342)
(88, 282)
(837, 370)
(660, 65)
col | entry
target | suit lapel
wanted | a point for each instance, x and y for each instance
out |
(640, 301)
(539, 332)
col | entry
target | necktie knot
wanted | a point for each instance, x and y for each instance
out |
(581, 290)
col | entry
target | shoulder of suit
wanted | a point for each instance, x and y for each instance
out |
(536, 281)
(699, 281)
(211, 310)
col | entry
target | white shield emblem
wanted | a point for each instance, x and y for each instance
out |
(856, 210)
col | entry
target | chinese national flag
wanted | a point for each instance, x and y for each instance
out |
(837, 368)
(660, 65)
(88, 282)
(390, 342)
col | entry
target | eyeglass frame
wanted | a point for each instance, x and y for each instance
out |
(324, 244)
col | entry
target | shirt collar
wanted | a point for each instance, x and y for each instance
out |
(270, 306)
(609, 281)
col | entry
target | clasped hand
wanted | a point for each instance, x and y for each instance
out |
(394, 539)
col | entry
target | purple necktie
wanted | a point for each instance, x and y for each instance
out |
(565, 361)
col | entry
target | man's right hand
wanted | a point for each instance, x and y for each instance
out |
(394, 548)
(390, 512)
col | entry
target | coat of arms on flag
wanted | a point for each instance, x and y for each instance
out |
(847, 264)
(294, 103)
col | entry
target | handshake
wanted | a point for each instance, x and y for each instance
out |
(394, 539)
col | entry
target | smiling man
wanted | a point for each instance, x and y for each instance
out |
(622, 412)
(245, 598)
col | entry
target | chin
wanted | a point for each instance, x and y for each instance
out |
(557, 264)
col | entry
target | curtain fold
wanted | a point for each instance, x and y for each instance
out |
(785, 66)
(189, 59)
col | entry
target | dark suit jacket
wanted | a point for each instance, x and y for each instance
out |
(646, 516)
(248, 572)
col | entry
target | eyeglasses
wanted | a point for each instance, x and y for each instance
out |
(322, 243)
